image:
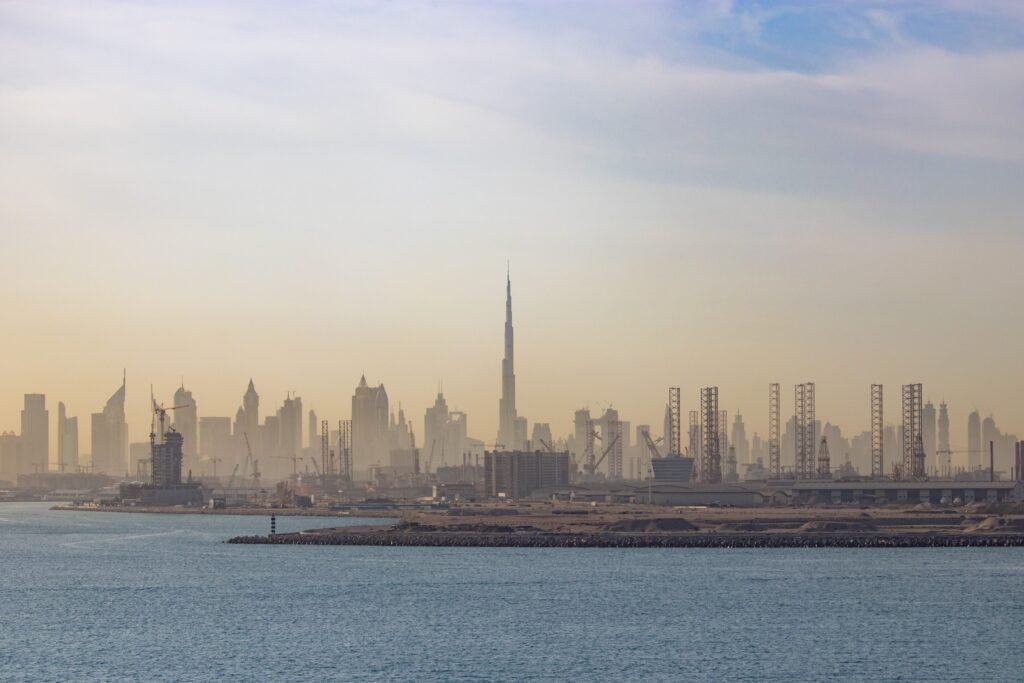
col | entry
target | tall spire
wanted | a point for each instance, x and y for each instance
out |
(507, 405)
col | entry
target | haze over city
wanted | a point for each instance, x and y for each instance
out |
(731, 196)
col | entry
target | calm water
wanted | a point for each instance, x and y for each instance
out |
(101, 596)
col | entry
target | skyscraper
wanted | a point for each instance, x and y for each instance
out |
(973, 441)
(739, 440)
(928, 433)
(943, 440)
(67, 439)
(186, 422)
(435, 425)
(247, 422)
(369, 425)
(290, 421)
(35, 433)
(110, 435)
(507, 406)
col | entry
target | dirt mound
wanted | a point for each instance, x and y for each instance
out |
(999, 524)
(650, 525)
(827, 526)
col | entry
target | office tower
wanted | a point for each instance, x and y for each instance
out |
(400, 436)
(507, 416)
(583, 442)
(35, 432)
(369, 425)
(540, 436)
(67, 440)
(110, 436)
(314, 446)
(186, 422)
(739, 440)
(290, 422)
(929, 433)
(270, 444)
(942, 443)
(611, 442)
(435, 424)
(215, 439)
(11, 459)
(973, 441)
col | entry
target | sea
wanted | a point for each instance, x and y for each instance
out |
(94, 596)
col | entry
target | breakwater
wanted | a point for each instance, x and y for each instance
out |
(697, 540)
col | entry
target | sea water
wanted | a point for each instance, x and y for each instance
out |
(92, 596)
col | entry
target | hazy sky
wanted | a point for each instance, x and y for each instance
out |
(725, 193)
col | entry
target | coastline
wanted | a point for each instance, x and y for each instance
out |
(386, 537)
(636, 527)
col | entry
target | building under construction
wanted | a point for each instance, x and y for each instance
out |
(517, 474)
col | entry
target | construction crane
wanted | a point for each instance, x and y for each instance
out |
(160, 413)
(255, 463)
(231, 479)
(430, 458)
(652, 444)
(592, 469)
(546, 445)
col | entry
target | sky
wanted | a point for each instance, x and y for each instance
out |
(688, 194)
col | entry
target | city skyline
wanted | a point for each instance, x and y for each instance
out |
(370, 406)
(724, 195)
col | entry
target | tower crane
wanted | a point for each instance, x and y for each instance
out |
(231, 479)
(592, 469)
(255, 463)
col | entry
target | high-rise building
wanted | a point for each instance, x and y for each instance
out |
(110, 436)
(507, 432)
(35, 432)
(541, 435)
(929, 433)
(11, 459)
(739, 440)
(369, 426)
(435, 424)
(215, 439)
(611, 443)
(67, 440)
(942, 445)
(290, 420)
(186, 423)
(973, 441)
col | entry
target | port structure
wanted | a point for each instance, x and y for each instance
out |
(805, 429)
(711, 455)
(877, 433)
(774, 444)
(913, 452)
